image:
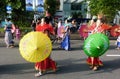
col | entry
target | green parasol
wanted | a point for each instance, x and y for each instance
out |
(96, 45)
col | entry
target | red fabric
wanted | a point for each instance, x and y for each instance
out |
(83, 31)
(90, 28)
(114, 32)
(45, 65)
(102, 28)
(105, 26)
(45, 27)
(96, 61)
(48, 63)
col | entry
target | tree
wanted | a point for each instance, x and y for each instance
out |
(2, 8)
(18, 6)
(51, 6)
(107, 7)
(19, 13)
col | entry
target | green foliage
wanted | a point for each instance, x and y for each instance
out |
(25, 30)
(2, 8)
(22, 24)
(51, 6)
(15, 4)
(76, 15)
(20, 16)
(107, 7)
(1, 30)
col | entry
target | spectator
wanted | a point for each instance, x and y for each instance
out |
(33, 25)
(74, 27)
(8, 33)
(17, 33)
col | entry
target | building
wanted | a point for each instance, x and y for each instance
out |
(70, 7)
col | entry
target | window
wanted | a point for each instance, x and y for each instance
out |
(75, 6)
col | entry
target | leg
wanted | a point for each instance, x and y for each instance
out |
(94, 63)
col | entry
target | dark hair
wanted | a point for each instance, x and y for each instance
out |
(47, 20)
(94, 20)
(8, 19)
(74, 20)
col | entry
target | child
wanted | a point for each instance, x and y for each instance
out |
(17, 32)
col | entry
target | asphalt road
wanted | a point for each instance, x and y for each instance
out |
(71, 64)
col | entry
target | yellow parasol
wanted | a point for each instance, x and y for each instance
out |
(35, 46)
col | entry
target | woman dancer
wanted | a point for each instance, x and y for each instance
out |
(95, 62)
(48, 63)
(65, 44)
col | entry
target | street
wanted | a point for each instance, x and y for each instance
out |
(71, 64)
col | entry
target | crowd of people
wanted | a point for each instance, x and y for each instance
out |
(96, 25)
(62, 36)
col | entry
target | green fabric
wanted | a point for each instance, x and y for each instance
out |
(96, 45)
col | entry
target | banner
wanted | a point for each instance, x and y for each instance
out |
(29, 5)
(35, 5)
(40, 5)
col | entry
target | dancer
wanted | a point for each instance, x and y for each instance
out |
(97, 27)
(48, 63)
(65, 44)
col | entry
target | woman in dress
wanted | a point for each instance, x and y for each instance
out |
(8, 33)
(65, 43)
(97, 27)
(48, 63)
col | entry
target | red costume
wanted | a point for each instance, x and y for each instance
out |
(96, 61)
(48, 63)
